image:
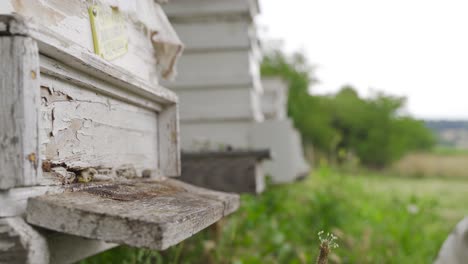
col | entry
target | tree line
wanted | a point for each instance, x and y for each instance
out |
(338, 125)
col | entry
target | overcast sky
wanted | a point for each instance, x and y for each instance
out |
(415, 48)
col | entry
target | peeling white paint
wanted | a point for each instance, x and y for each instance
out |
(70, 20)
(90, 130)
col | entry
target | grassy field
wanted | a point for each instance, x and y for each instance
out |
(441, 163)
(377, 219)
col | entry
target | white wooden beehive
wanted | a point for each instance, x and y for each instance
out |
(274, 98)
(68, 115)
(219, 80)
(277, 133)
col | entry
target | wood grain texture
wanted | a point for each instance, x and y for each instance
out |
(20, 243)
(151, 214)
(19, 101)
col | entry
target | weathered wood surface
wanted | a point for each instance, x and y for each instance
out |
(68, 22)
(19, 101)
(82, 129)
(142, 213)
(237, 171)
(20, 243)
(92, 114)
(169, 142)
(242, 103)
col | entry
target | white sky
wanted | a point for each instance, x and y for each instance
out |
(415, 48)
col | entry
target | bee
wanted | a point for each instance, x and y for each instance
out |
(67, 177)
(86, 175)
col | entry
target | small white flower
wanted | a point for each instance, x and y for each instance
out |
(329, 239)
(412, 209)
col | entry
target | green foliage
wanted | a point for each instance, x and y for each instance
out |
(377, 220)
(370, 128)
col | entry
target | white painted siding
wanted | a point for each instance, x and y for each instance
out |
(219, 104)
(216, 69)
(214, 36)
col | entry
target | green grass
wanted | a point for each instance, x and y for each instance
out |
(447, 151)
(377, 219)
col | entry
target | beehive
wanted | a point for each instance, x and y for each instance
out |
(219, 80)
(89, 137)
(277, 133)
(220, 90)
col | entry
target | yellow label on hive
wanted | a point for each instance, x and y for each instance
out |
(109, 32)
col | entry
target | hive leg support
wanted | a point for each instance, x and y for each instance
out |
(20, 243)
(66, 249)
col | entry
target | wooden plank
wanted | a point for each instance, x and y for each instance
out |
(169, 141)
(214, 69)
(19, 90)
(68, 54)
(242, 103)
(188, 9)
(20, 243)
(146, 98)
(154, 214)
(216, 35)
(227, 171)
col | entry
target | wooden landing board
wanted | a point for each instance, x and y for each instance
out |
(154, 214)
